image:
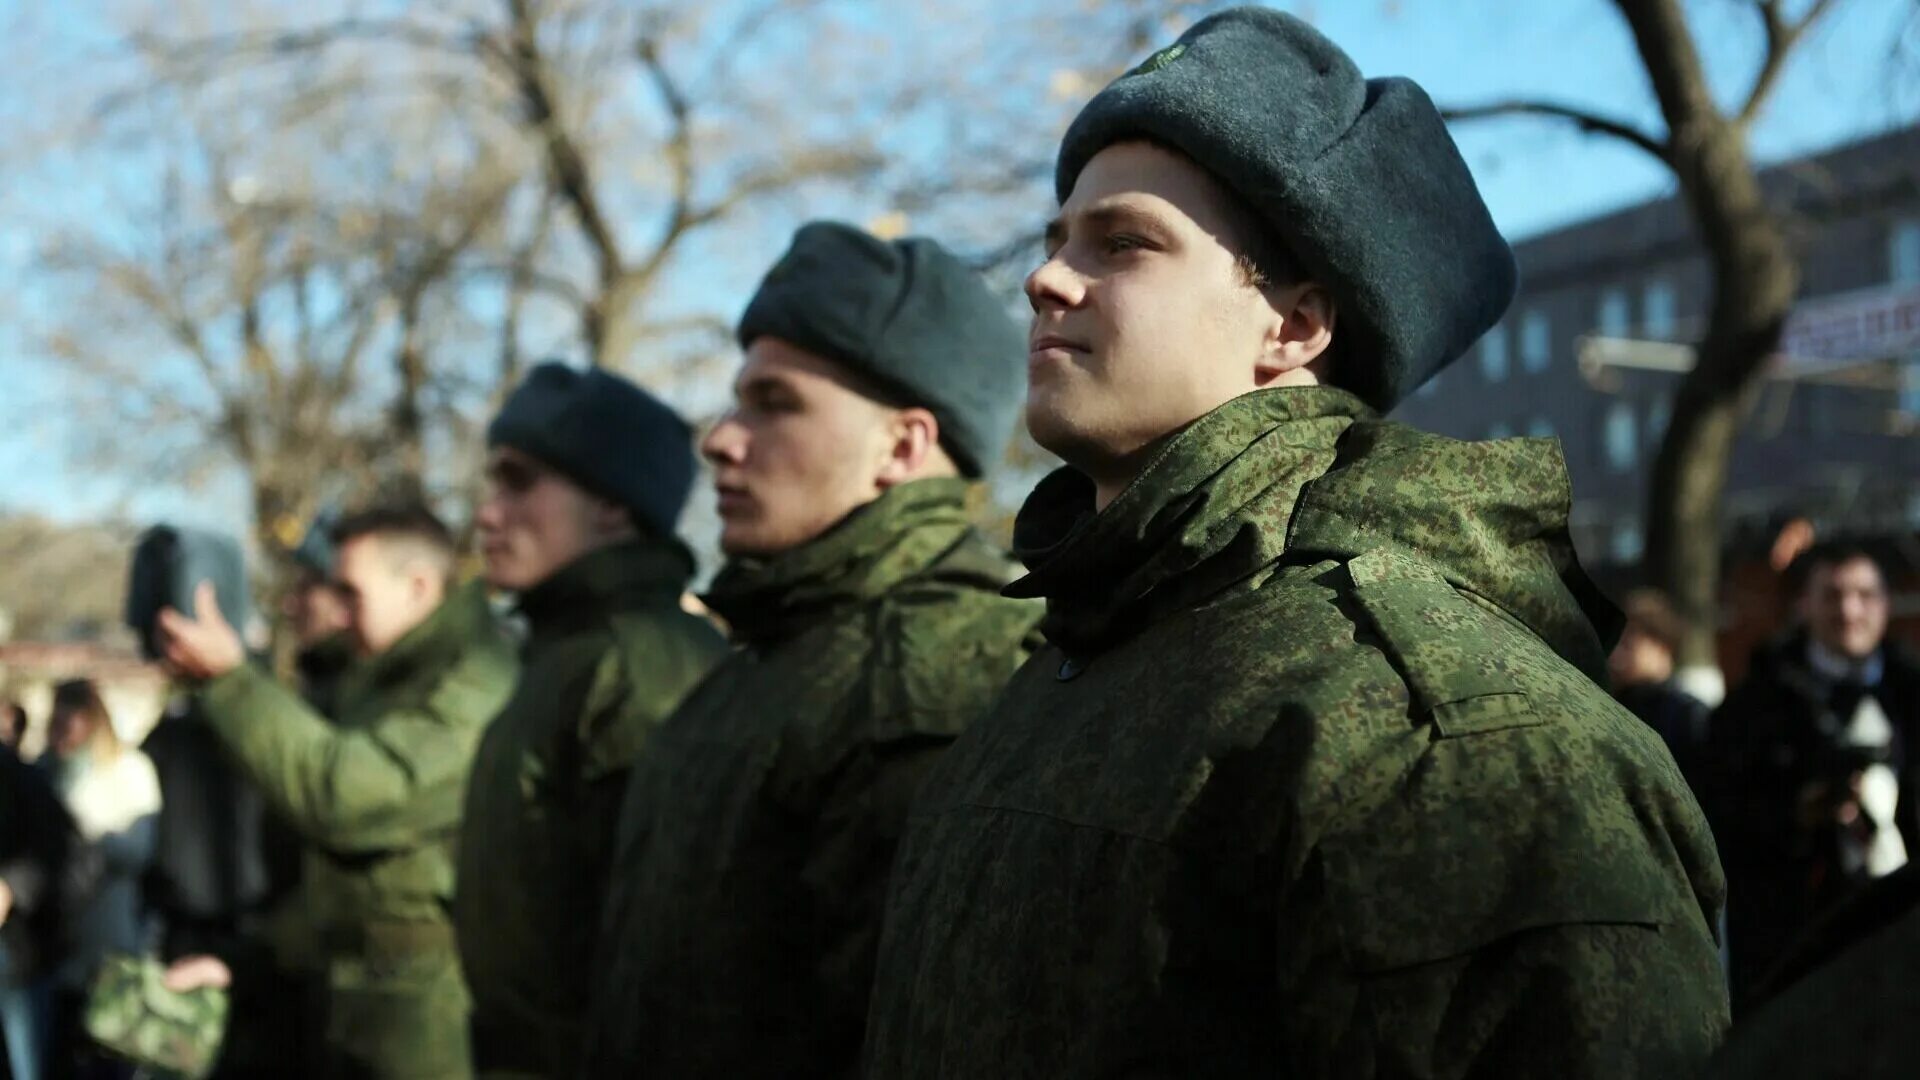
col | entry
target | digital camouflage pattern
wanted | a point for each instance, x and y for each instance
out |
(609, 654)
(1312, 780)
(133, 1015)
(761, 821)
(378, 794)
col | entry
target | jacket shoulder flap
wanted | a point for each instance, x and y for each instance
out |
(1451, 651)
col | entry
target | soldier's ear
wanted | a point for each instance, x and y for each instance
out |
(1298, 336)
(912, 449)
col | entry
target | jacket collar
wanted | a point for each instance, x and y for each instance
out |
(619, 577)
(897, 536)
(1212, 507)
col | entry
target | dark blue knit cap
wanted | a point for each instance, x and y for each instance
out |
(605, 434)
(1359, 178)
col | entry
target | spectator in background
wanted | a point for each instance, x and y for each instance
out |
(113, 793)
(1818, 792)
(13, 727)
(316, 614)
(41, 882)
(1642, 666)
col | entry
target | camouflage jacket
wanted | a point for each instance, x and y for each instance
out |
(1313, 779)
(609, 654)
(377, 793)
(760, 824)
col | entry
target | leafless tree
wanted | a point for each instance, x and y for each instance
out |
(1755, 276)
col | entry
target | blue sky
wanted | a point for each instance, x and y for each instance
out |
(1535, 175)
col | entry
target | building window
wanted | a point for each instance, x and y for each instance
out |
(1536, 341)
(1500, 430)
(1658, 415)
(1541, 428)
(1616, 314)
(1627, 543)
(1493, 354)
(1903, 253)
(1622, 437)
(1657, 320)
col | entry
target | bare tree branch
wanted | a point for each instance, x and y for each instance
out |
(1782, 35)
(571, 175)
(1586, 121)
(679, 152)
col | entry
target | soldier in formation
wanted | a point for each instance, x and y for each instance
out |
(1287, 753)
(880, 380)
(1315, 776)
(586, 478)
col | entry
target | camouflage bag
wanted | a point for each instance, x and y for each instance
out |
(133, 1016)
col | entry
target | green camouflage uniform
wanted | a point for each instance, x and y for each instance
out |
(1312, 780)
(609, 654)
(132, 1014)
(759, 825)
(378, 795)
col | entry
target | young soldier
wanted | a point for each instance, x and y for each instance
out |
(1314, 778)
(587, 474)
(760, 822)
(377, 793)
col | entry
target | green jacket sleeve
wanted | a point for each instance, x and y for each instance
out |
(386, 785)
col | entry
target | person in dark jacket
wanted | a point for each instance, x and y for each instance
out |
(46, 873)
(1841, 1002)
(760, 822)
(13, 725)
(209, 869)
(1641, 666)
(587, 474)
(1817, 790)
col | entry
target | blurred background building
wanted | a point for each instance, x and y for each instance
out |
(1593, 349)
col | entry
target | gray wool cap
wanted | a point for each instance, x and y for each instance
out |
(911, 317)
(1358, 177)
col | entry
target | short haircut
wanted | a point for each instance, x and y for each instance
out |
(409, 531)
(1653, 614)
(1832, 554)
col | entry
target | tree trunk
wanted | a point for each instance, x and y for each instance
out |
(1755, 277)
(409, 480)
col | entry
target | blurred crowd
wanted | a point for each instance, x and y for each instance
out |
(1806, 770)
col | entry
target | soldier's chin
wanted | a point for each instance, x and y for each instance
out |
(1056, 426)
(741, 539)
